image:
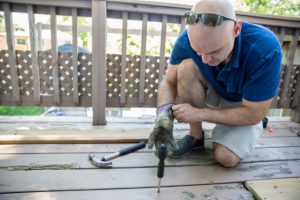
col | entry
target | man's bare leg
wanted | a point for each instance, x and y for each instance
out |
(225, 157)
(191, 89)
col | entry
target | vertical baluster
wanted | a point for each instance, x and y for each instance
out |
(281, 35)
(123, 62)
(12, 53)
(162, 62)
(34, 57)
(55, 70)
(275, 102)
(143, 60)
(39, 36)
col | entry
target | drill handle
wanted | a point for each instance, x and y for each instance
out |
(162, 154)
(160, 169)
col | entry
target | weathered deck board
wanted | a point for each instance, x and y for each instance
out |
(105, 136)
(220, 191)
(102, 148)
(80, 161)
(68, 122)
(91, 179)
(276, 189)
(138, 132)
(278, 142)
(280, 132)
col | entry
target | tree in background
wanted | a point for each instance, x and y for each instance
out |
(1, 18)
(82, 21)
(2, 25)
(273, 7)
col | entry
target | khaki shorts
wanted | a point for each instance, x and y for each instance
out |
(239, 139)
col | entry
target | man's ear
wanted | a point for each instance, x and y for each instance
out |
(237, 27)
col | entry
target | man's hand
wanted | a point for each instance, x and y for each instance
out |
(162, 132)
(185, 113)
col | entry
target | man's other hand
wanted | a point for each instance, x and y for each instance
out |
(185, 113)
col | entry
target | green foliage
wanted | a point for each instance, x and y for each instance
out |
(173, 27)
(169, 47)
(84, 37)
(82, 21)
(274, 7)
(17, 28)
(1, 17)
(20, 110)
(1, 22)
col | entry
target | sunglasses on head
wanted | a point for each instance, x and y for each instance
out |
(208, 19)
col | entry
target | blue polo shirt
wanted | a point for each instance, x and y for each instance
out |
(253, 72)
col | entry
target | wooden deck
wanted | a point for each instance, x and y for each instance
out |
(63, 171)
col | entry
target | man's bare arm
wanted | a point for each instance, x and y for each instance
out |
(250, 113)
(167, 90)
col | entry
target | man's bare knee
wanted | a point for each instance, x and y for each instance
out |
(189, 74)
(191, 85)
(187, 71)
(225, 157)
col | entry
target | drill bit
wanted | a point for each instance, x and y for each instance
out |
(158, 185)
(162, 154)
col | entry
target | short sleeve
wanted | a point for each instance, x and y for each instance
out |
(262, 83)
(180, 50)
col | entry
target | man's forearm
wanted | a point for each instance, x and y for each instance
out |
(166, 93)
(240, 116)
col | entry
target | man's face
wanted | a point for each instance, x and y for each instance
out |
(213, 45)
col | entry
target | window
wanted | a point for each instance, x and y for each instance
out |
(21, 41)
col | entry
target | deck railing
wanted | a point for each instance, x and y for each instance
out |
(100, 80)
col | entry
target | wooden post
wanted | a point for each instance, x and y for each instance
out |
(75, 56)
(34, 57)
(99, 61)
(288, 71)
(12, 53)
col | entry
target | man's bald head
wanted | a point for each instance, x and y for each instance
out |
(214, 43)
(222, 7)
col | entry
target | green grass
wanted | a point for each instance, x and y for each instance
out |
(20, 110)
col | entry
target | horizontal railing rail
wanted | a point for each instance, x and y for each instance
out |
(102, 80)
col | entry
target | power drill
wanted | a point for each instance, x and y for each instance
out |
(162, 154)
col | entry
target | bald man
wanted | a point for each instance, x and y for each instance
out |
(222, 70)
